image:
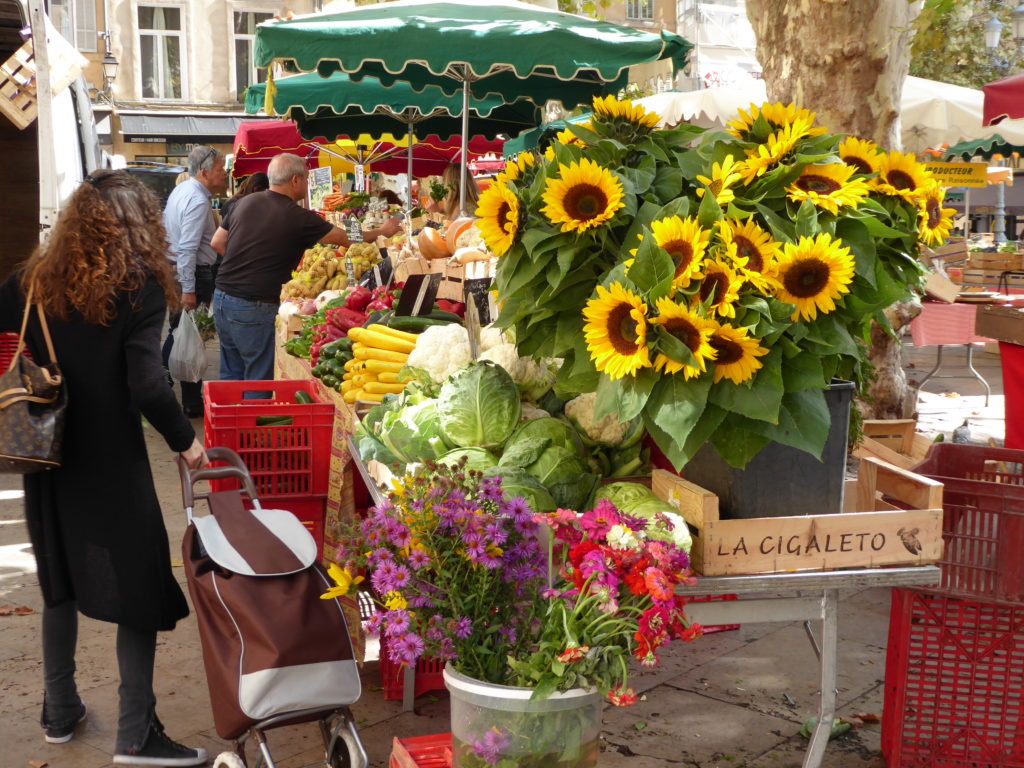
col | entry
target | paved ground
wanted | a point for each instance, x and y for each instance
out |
(731, 699)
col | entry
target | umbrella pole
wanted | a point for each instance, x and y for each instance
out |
(465, 142)
(408, 165)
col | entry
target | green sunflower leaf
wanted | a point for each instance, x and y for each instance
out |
(709, 421)
(737, 444)
(758, 399)
(672, 411)
(709, 212)
(642, 174)
(667, 184)
(803, 422)
(807, 220)
(673, 348)
(781, 229)
(627, 396)
(855, 235)
(652, 270)
(803, 371)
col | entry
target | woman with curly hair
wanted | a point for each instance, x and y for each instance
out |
(104, 282)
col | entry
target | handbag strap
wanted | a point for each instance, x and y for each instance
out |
(24, 328)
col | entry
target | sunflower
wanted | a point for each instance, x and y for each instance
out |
(900, 174)
(736, 353)
(935, 221)
(750, 249)
(723, 176)
(616, 331)
(685, 242)
(861, 154)
(514, 169)
(692, 330)
(582, 196)
(719, 287)
(779, 144)
(611, 109)
(828, 187)
(571, 139)
(812, 274)
(498, 222)
(777, 116)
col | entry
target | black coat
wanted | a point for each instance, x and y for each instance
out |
(95, 523)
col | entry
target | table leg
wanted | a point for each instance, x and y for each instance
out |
(978, 376)
(827, 706)
(409, 688)
(933, 371)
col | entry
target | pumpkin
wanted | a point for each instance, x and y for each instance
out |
(432, 244)
(455, 229)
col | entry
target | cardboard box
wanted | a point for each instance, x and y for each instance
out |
(873, 532)
(1001, 323)
(942, 288)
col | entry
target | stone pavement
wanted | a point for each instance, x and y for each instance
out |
(735, 698)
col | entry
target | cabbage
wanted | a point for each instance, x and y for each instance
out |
(478, 406)
(551, 451)
(476, 458)
(518, 482)
(413, 433)
(621, 494)
(664, 522)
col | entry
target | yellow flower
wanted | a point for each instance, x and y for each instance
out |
(935, 222)
(863, 155)
(736, 353)
(901, 175)
(549, 154)
(750, 249)
(616, 331)
(394, 601)
(723, 176)
(777, 116)
(613, 110)
(571, 139)
(812, 274)
(343, 580)
(582, 196)
(692, 330)
(498, 222)
(719, 287)
(779, 145)
(685, 241)
(514, 169)
(828, 186)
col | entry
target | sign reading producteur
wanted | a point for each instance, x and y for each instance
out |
(959, 174)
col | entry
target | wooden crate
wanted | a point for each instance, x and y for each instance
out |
(18, 93)
(995, 261)
(872, 532)
(894, 441)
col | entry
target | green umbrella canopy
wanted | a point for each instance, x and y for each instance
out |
(504, 47)
(338, 106)
(993, 145)
(542, 136)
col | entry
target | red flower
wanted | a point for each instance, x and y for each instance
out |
(635, 578)
(581, 550)
(622, 697)
(659, 584)
(573, 653)
(692, 632)
(644, 651)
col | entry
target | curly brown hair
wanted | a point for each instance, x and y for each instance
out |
(108, 239)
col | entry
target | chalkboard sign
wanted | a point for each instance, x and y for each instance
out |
(319, 187)
(354, 230)
(379, 274)
(418, 294)
(478, 291)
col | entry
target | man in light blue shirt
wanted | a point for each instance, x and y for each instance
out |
(188, 219)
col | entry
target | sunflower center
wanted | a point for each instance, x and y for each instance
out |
(504, 215)
(714, 286)
(822, 185)
(859, 163)
(585, 201)
(807, 278)
(934, 211)
(685, 331)
(728, 350)
(681, 252)
(900, 180)
(746, 249)
(622, 330)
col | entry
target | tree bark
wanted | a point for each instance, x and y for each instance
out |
(846, 60)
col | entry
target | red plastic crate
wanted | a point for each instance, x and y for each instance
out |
(983, 524)
(422, 752)
(284, 461)
(311, 513)
(954, 683)
(710, 598)
(429, 675)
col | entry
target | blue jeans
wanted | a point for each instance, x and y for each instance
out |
(246, 332)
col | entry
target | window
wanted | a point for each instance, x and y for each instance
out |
(246, 73)
(640, 10)
(85, 26)
(160, 48)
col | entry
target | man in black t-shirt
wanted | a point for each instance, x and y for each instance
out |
(262, 239)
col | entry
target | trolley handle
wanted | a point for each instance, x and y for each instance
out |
(236, 470)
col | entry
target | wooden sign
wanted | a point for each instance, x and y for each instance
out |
(877, 534)
(418, 294)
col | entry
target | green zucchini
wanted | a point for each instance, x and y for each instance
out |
(273, 421)
(414, 324)
(303, 398)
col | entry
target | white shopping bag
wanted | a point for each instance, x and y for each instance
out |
(188, 355)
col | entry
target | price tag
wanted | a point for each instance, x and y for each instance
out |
(360, 174)
(418, 294)
(319, 187)
(354, 230)
(478, 292)
(377, 275)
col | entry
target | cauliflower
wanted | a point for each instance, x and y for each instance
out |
(490, 337)
(537, 378)
(440, 351)
(609, 430)
(507, 357)
(531, 412)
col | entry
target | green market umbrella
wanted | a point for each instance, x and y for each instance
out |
(508, 48)
(535, 137)
(992, 145)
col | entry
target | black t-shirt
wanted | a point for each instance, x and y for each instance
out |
(267, 235)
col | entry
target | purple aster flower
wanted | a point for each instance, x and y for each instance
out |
(509, 633)
(407, 648)
(463, 628)
(496, 532)
(395, 623)
(379, 556)
(373, 625)
(490, 490)
(476, 551)
(447, 650)
(519, 509)
(400, 578)
(420, 601)
(418, 559)
(383, 579)
(490, 747)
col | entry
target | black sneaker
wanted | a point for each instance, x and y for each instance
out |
(159, 749)
(63, 731)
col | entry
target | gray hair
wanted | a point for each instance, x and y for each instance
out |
(284, 167)
(202, 158)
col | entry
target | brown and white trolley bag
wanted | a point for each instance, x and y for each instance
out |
(274, 651)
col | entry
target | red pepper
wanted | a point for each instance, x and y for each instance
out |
(344, 318)
(455, 307)
(377, 305)
(358, 298)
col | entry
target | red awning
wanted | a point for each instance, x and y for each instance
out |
(257, 142)
(1003, 99)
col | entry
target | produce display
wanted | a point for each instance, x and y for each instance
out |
(324, 268)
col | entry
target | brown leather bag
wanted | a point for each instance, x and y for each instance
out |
(32, 404)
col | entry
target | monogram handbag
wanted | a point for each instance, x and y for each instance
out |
(32, 404)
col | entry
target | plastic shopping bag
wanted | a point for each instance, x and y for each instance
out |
(188, 354)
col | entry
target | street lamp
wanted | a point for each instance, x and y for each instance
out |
(993, 31)
(1017, 21)
(109, 65)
